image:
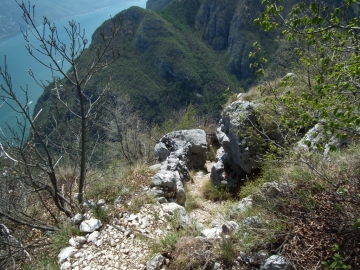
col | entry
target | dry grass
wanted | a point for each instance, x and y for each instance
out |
(192, 253)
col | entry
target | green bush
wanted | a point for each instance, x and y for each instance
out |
(216, 193)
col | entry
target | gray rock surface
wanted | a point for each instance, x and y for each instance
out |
(253, 221)
(189, 145)
(275, 189)
(77, 219)
(240, 145)
(65, 253)
(155, 262)
(179, 151)
(65, 266)
(318, 135)
(90, 225)
(93, 237)
(275, 262)
(174, 210)
(220, 230)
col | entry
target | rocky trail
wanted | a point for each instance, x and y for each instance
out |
(125, 242)
(165, 228)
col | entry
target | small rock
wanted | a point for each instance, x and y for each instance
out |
(80, 240)
(89, 204)
(155, 167)
(112, 243)
(244, 204)
(87, 216)
(252, 221)
(217, 266)
(144, 223)
(98, 243)
(211, 233)
(132, 217)
(93, 237)
(90, 225)
(101, 202)
(72, 242)
(118, 200)
(275, 262)
(155, 262)
(65, 266)
(161, 200)
(66, 253)
(77, 219)
(173, 209)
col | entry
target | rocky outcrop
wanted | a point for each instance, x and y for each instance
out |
(179, 151)
(241, 144)
(188, 145)
(319, 136)
(214, 20)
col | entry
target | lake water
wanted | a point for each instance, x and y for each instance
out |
(19, 61)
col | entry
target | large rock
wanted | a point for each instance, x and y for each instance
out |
(188, 145)
(179, 151)
(177, 211)
(241, 144)
(170, 180)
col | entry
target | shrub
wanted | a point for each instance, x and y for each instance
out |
(227, 250)
(216, 193)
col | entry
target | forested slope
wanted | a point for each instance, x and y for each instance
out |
(187, 52)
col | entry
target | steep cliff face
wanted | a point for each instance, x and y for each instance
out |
(227, 27)
(242, 34)
(214, 20)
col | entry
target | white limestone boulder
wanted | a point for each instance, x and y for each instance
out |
(88, 226)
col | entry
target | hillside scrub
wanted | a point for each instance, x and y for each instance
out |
(323, 93)
(327, 35)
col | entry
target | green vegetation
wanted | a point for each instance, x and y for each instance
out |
(305, 200)
(216, 193)
(324, 38)
(169, 60)
(227, 250)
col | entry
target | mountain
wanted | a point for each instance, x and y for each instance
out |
(157, 4)
(10, 13)
(181, 52)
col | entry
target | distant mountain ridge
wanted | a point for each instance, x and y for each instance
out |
(157, 4)
(10, 13)
(190, 51)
